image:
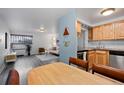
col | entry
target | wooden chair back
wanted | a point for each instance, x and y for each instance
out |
(78, 62)
(13, 78)
(111, 72)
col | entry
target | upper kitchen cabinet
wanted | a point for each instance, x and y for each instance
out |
(78, 28)
(119, 30)
(90, 32)
(108, 31)
(97, 33)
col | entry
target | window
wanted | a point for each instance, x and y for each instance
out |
(21, 39)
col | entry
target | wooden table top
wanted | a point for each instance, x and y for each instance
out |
(63, 74)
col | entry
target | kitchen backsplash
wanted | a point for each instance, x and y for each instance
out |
(107, 44)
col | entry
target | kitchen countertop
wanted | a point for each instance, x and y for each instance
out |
(102, 49)
(112, 51)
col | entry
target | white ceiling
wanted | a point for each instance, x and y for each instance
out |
(30, 19)
(93, 16)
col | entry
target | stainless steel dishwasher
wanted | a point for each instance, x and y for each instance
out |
(117, 59)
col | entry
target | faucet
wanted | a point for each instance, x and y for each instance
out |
(100, 45)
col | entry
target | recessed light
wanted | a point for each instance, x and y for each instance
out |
(107, 11)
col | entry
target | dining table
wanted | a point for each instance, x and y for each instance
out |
(59, 73)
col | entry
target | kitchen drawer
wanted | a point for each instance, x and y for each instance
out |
(101, 52)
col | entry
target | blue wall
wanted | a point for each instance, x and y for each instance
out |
(69, 21)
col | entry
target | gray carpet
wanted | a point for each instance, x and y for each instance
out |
(23, 65)
(48, 57)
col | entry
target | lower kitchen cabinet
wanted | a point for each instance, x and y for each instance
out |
(91, 58)
(102, 57)
(98, 57)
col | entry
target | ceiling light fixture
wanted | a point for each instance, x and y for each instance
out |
(42, 29)
(108, 11)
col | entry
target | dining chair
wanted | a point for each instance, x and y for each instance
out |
(78, 62)
(13, 77)
(108, 71)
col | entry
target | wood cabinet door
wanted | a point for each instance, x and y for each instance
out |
(100, 33)
(102, 57)
(119, 30)
(79, 33)
(98, 57)
(108, 32)
(78, 27)
(95, 29)
(91, 58)
(90, 34)
(97, 33)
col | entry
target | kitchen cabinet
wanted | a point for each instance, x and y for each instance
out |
(102, 57)
(110, 31)
(97, 33)
(98, 57)
(78, 28)
(119, 30)
(91, 58)
(90, 32)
